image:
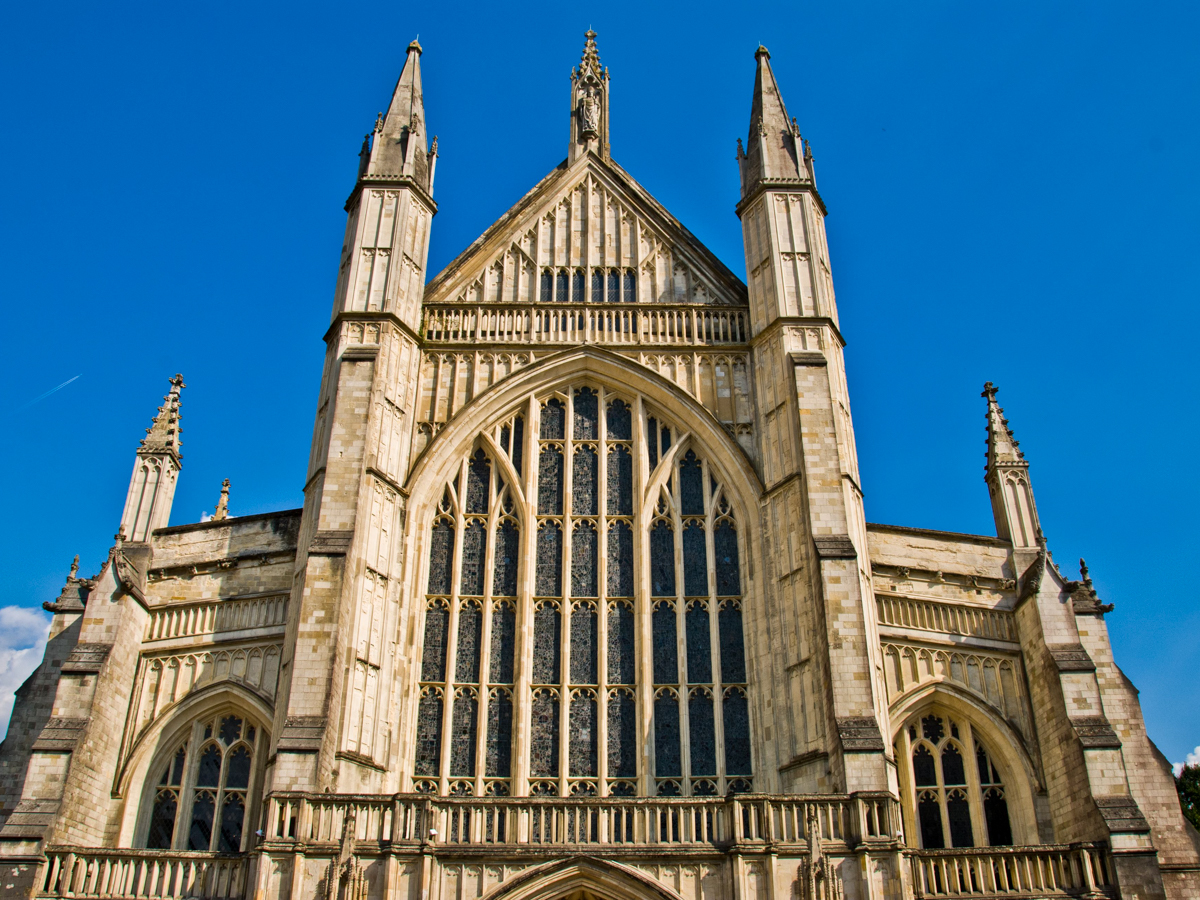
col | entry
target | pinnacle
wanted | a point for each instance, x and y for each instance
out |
(1002, 446)
(164, 432)
(414, 46)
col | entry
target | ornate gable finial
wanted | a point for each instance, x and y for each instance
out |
(1002, 446)
(163, 435)
(223, 503)
(75, 568)
(589, 63)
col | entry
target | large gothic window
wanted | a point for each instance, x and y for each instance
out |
(954, 789)
(611, 537)
(199, 793)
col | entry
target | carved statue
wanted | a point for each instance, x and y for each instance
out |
(589, 113)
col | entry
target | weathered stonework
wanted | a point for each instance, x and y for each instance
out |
(582, 602)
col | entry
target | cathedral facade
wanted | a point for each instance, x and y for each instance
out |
(583, 602)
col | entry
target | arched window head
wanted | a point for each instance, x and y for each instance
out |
(953, 786)
(199, 793)
(582, 516)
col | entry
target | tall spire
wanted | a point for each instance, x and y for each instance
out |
(163, 435)
(155, 471)
(774, 150)
(399, 145)
(589, 103)
(1007, 477)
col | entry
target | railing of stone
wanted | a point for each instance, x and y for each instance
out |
(948, 618)
(1043, 871)
(556, 323)
(418, 818)
(216, 616)
(119, 874)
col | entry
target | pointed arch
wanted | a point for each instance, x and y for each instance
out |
(598, 877)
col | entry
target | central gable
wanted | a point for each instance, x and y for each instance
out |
(587, 233)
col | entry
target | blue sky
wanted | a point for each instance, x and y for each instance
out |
(1012, 194)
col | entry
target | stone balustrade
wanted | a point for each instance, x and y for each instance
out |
(556, 323)
(628, 821)
(1043, 871)
(947, 618)
(179, 620)
(72, 872)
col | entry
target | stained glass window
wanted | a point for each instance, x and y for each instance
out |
(736, 719)
(505, 565)
(733, 649)
(597, 285)
(474, 541)
(666, 665)
(470, 623)
(550, 482)
(699, 644)
(433, 657)
(429, 733)
(666, 735)
(662, 560)
(622, 734)
(581, 566)
(691, 486)
(561, 293)
(462, 734)
(620, 643)
(543, 761)
(504, 630)
(695, 560)
(620, 560)
(441, 557)
(630, 287)
(554, 416)
(614, 286)
(577, 286)
(498, 760)
(584, 478)
(549, 560)
(587, 415)
(726, 549)
(581, 728)
(479, 472)
(547, 294)
(620, 421)
(620, 481)
(584, 637)
(547, 625)
(585, 560)
(703, 737)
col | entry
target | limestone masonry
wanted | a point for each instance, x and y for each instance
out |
(583, 602)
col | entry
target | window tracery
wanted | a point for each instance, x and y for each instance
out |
(581, 601)
(199, 799)
(953, 786)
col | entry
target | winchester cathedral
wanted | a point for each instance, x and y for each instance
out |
(583, 602)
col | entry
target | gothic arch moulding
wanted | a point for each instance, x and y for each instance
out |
(619, 373)
(589, 877)
(169, 730)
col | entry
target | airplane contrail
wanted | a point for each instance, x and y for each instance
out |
(49, 392)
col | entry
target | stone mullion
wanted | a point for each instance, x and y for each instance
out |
(685, 736)
(586, 240)
(602, 594)
(485, 636)
(564, 637)
(452, 627)
(974, 788)
(526, 571)
(714, 631)
(904, 773)
(643, 676)
(940, 777)
(187, 786)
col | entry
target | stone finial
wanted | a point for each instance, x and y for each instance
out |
(589, 63)
(74, 568)
(379, 123)
(762, 52)
(433, 151)
(773, 151)
(163, 435)
(1002, 446)
(222, 511)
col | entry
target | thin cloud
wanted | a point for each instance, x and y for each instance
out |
(1193, 759)
(23, 634)
(49, 392)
